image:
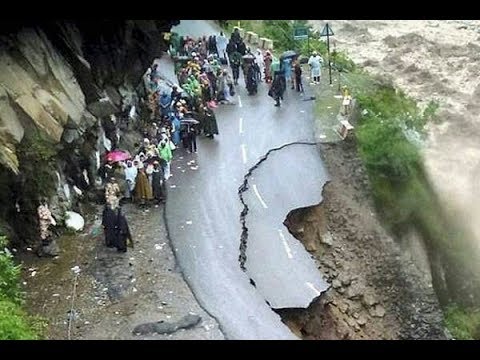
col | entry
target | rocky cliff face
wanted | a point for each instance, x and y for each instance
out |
(59, 80)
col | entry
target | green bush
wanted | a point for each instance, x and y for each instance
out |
(9, 274)
(463, 324)
(14, 323)
(384, 145)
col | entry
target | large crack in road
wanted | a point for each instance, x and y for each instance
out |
(277, 264)
(244, 187)
(203, 207)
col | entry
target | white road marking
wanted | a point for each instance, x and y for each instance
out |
(310, 285)
(285, 244)
(240, 126)
(244, 153)
(239, 101)
(259, 197)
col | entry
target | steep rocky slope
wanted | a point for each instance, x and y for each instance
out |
(59, 82)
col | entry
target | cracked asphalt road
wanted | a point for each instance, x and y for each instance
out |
(277, 262)
(203, 210)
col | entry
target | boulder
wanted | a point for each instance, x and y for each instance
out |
(74, 221)
(51, 249)
(163, 327)
(336, 284)
(377, 311)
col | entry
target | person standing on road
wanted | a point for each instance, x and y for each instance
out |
(130, 176)
(109, 222)
(192, 140)
(122, 232)
(165, 153)
(165, 103)
(235, 63)
(315, 63)
(287, 70)
(225, 82)
(112, 193)
(267, 62)
(175, 129)
(158, 183)
(236, 37)
(143, 190)
(222, 47)
(209, 121)
(241, 47)
(297, 69)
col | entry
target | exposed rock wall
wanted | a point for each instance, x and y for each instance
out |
(60, 79)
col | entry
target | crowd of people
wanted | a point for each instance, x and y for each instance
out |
(178, 114)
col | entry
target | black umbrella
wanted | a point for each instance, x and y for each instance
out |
(288, 54)
(189, 121)
(249, 57)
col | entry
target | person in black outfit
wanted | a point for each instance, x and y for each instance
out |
(231, 48)
(122, 232)
(175, 95)
(158, 183)
(212, 45)
(109, 221)
(298, 76)
(241, 47)
(236, 37)
(277, 88)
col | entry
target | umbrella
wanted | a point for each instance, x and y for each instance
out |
(249, 57)
(118, 155)
(288, 54)
(189, 121)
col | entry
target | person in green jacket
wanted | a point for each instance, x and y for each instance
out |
(165, 153)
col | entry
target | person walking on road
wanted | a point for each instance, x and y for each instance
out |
(278, 88)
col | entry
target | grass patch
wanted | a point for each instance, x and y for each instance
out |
(463, 324)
